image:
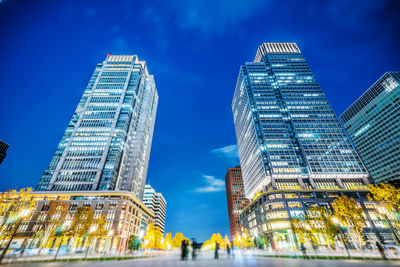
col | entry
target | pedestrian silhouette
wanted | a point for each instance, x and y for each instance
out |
(228, 251)
(187, 249)
(216, 250)
(194, 247)
(304, 250)
(183, 250)
(381, 250)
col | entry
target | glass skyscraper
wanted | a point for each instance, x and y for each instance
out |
(107, 143)
(293, 151)
(288, 135)
(373, 124)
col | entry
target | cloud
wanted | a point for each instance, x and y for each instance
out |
(213, 185)
(229, 152)
(214, 17)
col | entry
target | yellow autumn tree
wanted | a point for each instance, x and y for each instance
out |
(149, 240)
(158, 239)
(51, 218)
(248, 243)
(387, 195)
(81, 224)
(350, 215)
(177, 240)
(168, 241)
(12, 203)
(322, 224)
(238, 241)
(16, 207)
(300, 229)
(97, 232)
(215, 238)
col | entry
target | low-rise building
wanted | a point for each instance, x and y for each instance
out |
(123, 213)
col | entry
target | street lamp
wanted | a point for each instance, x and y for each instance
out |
(21, 216)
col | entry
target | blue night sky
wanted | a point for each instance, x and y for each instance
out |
(194, 49)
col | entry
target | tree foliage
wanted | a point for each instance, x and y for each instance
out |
(53, 215)
(13, 204)
(81, 222)
(177, 240)
(350, 215)
(243, 240)
(387, 195)
(133, 243)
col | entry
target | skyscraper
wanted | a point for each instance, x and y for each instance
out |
(3, 150)
(235, 198)
(373, 124)
(107, 143)
(102, 159)
(292, 148)
(156, 203)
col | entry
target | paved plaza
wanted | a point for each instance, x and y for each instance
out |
(207, 260)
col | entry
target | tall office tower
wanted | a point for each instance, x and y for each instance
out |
(235, 198)
(3, 150)
(107, 143)
(373, 124)
(156, 203)
(292, 147)
(102, 159)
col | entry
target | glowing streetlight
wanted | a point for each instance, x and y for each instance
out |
(24, 213)
(335, 220)
(382, 210)
(93, 228)
(67, 224)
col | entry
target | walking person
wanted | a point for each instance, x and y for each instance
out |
(183, 250)
(304, 250)
(381, 250)
(187, 249)
(228, 251)
(216, 250)
(194, 247)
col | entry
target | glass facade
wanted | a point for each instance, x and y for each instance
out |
(373, 125)
(288, 135)
(107, 143)
(294, 153)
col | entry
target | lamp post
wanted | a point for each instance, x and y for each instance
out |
(339, 225)
(21, 215)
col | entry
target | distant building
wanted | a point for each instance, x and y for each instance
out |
(3, 150)
(373, 125)
(156, 203)
(235, 198)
